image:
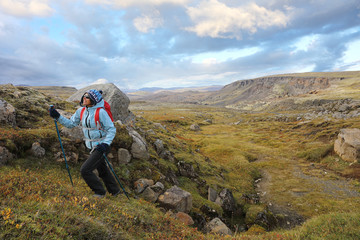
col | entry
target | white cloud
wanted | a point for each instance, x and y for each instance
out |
(215, 19)
(122, 3)
(100, 81)
(195, 80)
(26, 8)
(148, 22)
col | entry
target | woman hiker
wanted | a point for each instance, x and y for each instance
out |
(97, 140)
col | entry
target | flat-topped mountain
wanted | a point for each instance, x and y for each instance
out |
(263, 92)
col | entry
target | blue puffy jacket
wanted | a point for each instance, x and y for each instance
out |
(93, 136)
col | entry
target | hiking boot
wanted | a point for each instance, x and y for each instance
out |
(99, 195)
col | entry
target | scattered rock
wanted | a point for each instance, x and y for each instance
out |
(139, 146)
(218, 227)
(7, 113)
(226, 201)
(151, 132)
(74, 134)
(159, 146)
(5, 156)
(348, 144)
(162, 152)
(212, 194)
(124, 157)
(209, 121)
(158, 187)
(251, 198)
(186, 170)
(185, 218)
(176, 198)
(159, 126)
(37, 150)
(141, 184)
(70, 157)
(195, 127)
(150, 195)
(171, 177)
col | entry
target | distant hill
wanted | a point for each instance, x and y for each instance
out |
(264, 92)
(57, 91)
(190, 94)
(260, 93)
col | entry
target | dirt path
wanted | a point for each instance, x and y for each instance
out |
(285, 214)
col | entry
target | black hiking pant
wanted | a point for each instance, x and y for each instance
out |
(96, 160)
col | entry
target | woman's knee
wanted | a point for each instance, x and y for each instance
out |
(85, 171)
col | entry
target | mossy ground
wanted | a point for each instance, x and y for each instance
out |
(306, 175)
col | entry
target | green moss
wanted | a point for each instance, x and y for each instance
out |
(331, 226)
(315, 155)
(252, 212)
(122, 138)
(250, 157)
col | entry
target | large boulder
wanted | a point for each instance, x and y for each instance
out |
(347, 146)
(7, 113)
(177, 199)
(118, 101)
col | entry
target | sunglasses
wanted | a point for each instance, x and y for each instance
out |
(87, 96)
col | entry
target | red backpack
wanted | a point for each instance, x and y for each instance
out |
(97, 120)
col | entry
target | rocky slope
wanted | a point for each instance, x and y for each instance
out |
(144, 154)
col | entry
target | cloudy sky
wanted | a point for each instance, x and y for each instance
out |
(173, 43)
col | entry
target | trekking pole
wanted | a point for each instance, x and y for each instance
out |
(108, 163)
(62, 148)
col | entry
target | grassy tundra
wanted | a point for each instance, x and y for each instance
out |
(290, 165)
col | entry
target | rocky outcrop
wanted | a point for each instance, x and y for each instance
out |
(7, 113)
(118, 101)
(347, 146)
(177, 199)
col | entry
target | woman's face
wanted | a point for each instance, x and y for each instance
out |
(86, 100)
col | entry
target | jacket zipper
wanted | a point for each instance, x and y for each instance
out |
(88, 125)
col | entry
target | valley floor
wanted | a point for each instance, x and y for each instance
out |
(301, 176)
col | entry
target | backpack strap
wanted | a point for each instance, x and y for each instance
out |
(82, 113)
(97, 120)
